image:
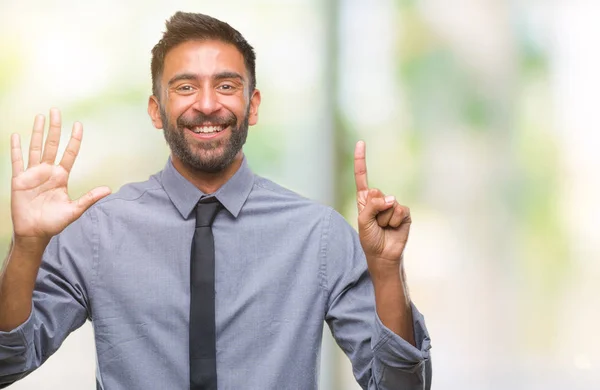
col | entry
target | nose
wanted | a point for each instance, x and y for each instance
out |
(207, 101)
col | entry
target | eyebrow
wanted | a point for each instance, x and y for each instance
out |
(228, 75)
(218, 76)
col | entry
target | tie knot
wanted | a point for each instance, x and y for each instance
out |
(206, 211)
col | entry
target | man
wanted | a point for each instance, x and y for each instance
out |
(182, 299)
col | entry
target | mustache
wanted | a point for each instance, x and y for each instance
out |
(201, 119)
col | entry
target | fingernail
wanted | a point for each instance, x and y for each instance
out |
(390, 199)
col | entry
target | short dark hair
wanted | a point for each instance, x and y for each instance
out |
(185, 26)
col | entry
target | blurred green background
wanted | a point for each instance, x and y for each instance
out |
(479, 115)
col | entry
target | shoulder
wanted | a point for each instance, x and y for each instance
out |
(273, 195)
(131, 193)
(275, 199)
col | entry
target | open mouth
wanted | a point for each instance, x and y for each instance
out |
(207, 129)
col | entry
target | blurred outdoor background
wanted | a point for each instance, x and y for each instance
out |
(481, 115)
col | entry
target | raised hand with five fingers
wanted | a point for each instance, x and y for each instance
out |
(41, 208)
(383, 227)
(40, 202)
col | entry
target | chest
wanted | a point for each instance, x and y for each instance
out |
(261, 271)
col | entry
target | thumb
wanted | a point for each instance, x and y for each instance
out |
(376, 203)
(88, 199)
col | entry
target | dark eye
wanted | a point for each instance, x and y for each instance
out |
(185, 88)
(226, 87)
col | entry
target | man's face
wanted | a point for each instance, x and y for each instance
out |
(205, 106)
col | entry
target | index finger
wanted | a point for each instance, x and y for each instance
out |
(73, 146)
(360, 167)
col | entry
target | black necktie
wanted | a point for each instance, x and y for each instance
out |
(203, 359)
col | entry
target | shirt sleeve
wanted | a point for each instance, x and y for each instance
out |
(380, 358)
(60, 303)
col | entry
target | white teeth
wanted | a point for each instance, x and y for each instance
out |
(207, 129)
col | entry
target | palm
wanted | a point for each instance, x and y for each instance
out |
(40, 203)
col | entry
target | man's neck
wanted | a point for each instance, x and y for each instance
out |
(205, 181)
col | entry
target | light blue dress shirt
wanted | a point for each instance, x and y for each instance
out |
(285, 265)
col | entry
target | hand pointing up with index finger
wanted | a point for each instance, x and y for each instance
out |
(383, 223)
(383, 226)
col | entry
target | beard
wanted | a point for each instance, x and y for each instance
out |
(204, 156)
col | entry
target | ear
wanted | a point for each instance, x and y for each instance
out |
(254, 103)
(154, 112)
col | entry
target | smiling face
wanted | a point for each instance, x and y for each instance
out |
(205, 106)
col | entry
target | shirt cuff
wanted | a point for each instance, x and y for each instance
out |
(21, 336)
(393, 351)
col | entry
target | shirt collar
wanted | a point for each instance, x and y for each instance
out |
(185, 195)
